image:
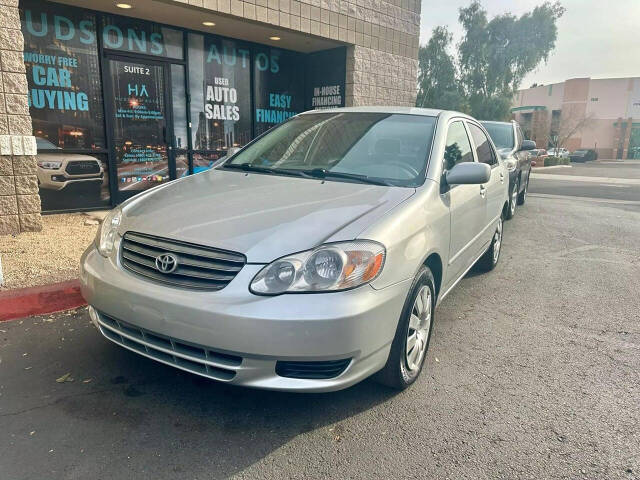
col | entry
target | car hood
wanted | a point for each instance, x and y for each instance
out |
(261, 216)
(61, 157)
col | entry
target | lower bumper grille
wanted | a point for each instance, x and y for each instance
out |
(312, 370)
(187, 356)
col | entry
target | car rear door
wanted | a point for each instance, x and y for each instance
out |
(467, 204)
(485, 153)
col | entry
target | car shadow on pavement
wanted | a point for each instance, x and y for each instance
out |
(163, 421)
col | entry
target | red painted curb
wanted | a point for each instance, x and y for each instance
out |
(38, 300)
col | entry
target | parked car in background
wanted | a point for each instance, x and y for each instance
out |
(515, 151)
(57, 171)
(558, 152)
(312, 258)
(583, 155)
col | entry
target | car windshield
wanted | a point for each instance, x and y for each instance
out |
(501, 134)
(377, 148)
(580, 151)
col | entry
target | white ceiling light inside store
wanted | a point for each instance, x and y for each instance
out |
(274, 38)
(123, 5)
(209, 24)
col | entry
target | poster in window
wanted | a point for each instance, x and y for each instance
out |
(139, 124)
(326, 74)
(220, 87)
(278, 86)
(65, 103)
(63, 73)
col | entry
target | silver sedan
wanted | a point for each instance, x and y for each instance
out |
(309, 260)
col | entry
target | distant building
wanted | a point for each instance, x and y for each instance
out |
(603, 114)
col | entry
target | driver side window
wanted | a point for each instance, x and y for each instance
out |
(458, 147)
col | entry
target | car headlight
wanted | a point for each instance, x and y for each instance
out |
(108, 231)
(50, 165)
(328, 268)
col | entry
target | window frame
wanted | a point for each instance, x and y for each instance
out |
(493, 149)
(466, 129)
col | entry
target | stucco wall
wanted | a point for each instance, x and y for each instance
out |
(549, 96)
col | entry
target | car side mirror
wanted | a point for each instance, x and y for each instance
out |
(528, 145)
(468, 173)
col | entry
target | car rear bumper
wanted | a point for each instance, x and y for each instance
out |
(236, 337)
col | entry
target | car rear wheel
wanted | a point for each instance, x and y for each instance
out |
(489, 260)
(522, 196)
(513, 200)
(413, 333)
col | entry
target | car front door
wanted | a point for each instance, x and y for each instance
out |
(485, 153)
(467, 205)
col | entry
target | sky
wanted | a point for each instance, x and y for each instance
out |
(596, 38)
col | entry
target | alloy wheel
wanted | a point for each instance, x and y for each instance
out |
(514, 198)
(418, 331)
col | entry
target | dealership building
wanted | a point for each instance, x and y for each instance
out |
(601, 114)
(100, 100)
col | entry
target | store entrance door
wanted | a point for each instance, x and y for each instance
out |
(138, 99)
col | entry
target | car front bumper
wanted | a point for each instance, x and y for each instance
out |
(64, 180)
(238, 336)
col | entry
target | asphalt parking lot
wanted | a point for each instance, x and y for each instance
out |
(533, 372)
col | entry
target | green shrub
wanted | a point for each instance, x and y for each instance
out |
(553, 161)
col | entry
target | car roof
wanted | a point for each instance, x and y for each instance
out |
(425, 112)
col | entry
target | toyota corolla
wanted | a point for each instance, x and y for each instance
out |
(309, 260)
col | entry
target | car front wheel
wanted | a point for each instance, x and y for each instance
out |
(413, 333)
(489, 260)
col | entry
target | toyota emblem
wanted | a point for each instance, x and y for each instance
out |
(166, 263)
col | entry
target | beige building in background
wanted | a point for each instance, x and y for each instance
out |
(600, 114)
(380, 37)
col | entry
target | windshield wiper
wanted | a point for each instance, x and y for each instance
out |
(247, 167)
(324, 173)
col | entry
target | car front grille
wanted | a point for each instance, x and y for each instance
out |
(312, 370)
(198, 267)
(187, 356)
(84, 167)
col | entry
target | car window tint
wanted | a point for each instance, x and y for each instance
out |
(484, 150)
(458, 147)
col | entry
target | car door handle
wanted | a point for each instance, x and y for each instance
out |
(483, 191)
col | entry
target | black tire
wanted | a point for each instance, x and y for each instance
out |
(490, 259)
(397, 373)
(513, 201)
(522, 196)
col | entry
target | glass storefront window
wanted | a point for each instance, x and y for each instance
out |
(278, 86)
(182, 164)
(204, 161)
(179, 110)
(139, 124)
(220, 88)
(63, 73)
(136, 36)
(174, 102)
